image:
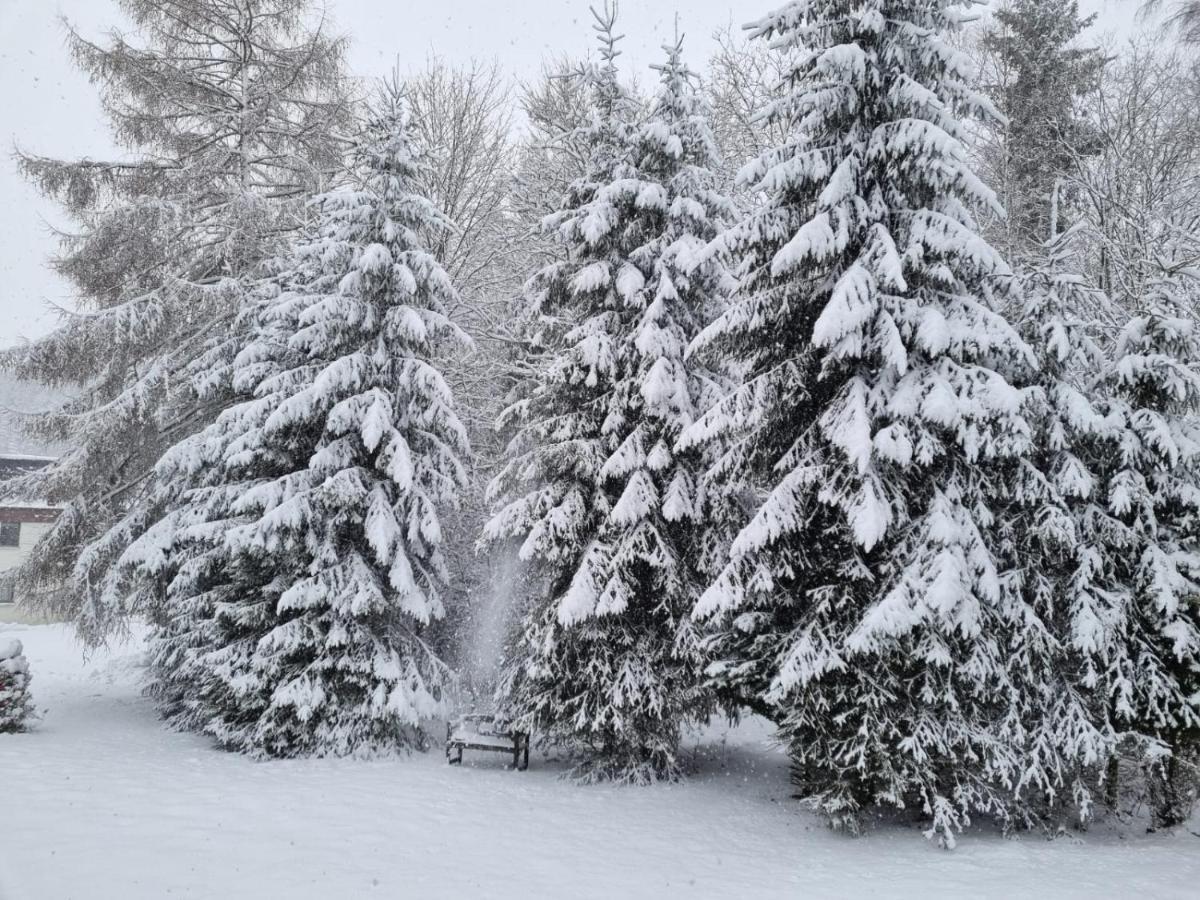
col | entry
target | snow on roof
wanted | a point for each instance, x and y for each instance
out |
(14, 465)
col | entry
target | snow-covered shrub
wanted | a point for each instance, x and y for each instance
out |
(16, 703)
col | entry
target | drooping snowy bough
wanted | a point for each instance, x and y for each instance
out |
(304, 568)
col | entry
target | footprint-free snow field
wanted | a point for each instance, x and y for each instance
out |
(99, 801)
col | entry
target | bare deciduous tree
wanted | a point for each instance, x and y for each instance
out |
(1141, 188)
(743, 76)
(463, 118)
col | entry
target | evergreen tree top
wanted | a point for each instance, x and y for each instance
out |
(373, 236)
(605, 77)
(682, 110)
(1038, 38)
(613, 111)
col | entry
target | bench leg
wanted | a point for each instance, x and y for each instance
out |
(521, 747)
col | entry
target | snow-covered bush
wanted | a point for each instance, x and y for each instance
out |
(16, 704)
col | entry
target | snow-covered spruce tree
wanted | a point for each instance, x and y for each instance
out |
(16, 703)
(228, 117)
(1149, 653)
(613, 521)
(864, 605)
(306, 560)
(181, 567)
(1053, 533)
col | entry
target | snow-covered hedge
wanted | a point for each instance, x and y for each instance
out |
(16, 705)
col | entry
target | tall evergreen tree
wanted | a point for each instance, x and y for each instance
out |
(1052, 532)
(613, 519)
(229, 115)
(305, 562)
(864, 604)
(1149, 650)
(1041, 74)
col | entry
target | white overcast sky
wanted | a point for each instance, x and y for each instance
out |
(47, 107)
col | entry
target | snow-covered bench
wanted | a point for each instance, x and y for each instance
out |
(481, 731)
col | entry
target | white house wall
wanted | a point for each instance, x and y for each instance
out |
(10, 557)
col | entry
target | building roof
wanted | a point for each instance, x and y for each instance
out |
(18, 509)
(12, 465)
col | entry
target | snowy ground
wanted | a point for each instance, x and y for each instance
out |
(99, 801)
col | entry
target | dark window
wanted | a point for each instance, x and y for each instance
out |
(10, 534)
(6, 590)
